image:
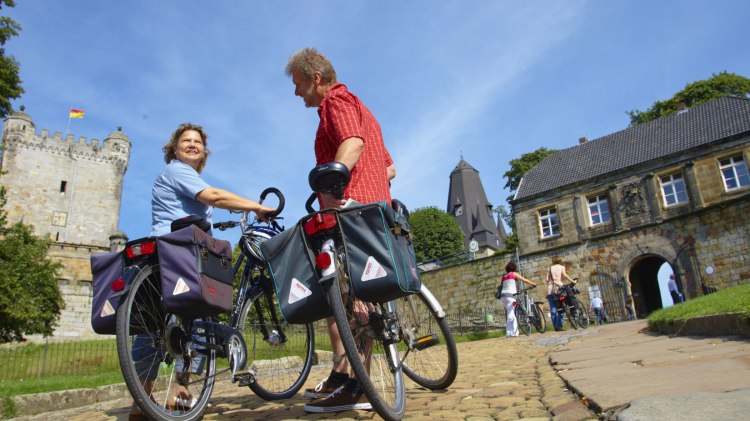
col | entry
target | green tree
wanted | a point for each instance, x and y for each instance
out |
(518, 167)
(436, 234)
(30, 302)
(696, 93)
(10, 82)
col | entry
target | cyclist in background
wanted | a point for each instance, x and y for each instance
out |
(350, 134)
(180, 191)
(507, 297)
(556, 276)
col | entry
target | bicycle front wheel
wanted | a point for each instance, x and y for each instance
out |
(168, 377)
(279, 354)
(581, 316)
(432, 358)
(522, 319)
(539, 321)
(569, 315)
(373, 329)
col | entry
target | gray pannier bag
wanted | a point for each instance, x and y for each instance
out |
(295, 277)
(379, 252)
(196, 273)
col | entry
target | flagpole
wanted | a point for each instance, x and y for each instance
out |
(67, 131)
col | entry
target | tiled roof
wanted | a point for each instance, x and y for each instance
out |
(700, 125)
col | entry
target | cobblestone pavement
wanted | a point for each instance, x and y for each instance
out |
(498, 379)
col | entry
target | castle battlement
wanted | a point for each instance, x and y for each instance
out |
(19, 131)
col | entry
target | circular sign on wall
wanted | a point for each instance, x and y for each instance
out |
(473, 246)
(709, 270)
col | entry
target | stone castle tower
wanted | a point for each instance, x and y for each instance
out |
(69, 190)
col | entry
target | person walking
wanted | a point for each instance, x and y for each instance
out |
(597, 306)
(347, 133)
(555, 276)
(508, 290)
(673, 291)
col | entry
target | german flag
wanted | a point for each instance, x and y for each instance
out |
(76, 113)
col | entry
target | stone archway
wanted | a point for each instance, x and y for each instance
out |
(644, 284)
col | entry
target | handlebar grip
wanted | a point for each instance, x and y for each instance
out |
(278, 194)
(309, 203)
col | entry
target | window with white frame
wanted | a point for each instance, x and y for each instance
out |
(735, 173)
(673, 189)
(598, 209)
(548, 223)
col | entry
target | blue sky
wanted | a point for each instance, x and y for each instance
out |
(487, 79)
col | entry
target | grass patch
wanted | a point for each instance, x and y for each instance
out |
(729, 300)
(55, 383)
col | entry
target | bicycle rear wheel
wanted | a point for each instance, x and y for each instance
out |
(155, 352)
(522, 319)
(279, 354)
(374, 329)
(432, 358)
(539, 322)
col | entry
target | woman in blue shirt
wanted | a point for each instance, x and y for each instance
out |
(180, 191)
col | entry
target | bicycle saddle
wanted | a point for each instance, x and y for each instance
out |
(329, 178)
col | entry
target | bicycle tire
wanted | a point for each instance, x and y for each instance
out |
(522, 319)
(581, 316)
(539, 321)
(383, 384)
(569, 315)
(435, 366)
(280, 355)
(144, 324)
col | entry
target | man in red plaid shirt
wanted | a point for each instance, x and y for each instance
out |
(347, 133)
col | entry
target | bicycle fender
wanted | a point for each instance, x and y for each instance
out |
(434, 303)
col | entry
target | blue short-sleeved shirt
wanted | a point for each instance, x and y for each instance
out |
(173, 196)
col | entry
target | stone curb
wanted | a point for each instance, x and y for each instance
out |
(65, 399)
(728, 324)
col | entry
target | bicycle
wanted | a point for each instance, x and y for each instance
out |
(414, 321)
(183, 351)
(569, 304)
(532, 310)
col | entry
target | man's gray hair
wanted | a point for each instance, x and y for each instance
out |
(310, 61)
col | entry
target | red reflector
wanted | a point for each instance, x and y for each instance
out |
(118, 285)
(320, 222)
(142, 249)
(515, 303)
(212, 290)
(323, 260)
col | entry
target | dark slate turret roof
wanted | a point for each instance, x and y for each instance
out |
(476, 220)
(697, 126)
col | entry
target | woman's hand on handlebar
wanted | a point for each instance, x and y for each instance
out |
(262, 214)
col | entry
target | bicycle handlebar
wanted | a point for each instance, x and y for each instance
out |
(277, 193)
(309, 203)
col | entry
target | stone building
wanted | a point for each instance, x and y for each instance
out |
(69, 190)
(675, 190)
(467, 202)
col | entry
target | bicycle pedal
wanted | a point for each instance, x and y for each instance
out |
(425, 342)
(244, 379)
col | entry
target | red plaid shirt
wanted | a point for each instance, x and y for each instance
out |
(343, 115)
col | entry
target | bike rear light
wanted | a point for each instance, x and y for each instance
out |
(118, 285)
(323, 260)
(142, 249)
(320, 222)
(515, 303)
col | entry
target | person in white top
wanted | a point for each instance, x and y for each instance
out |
(507, 297)
(597, 306)
(673, 291)
(555, 279)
